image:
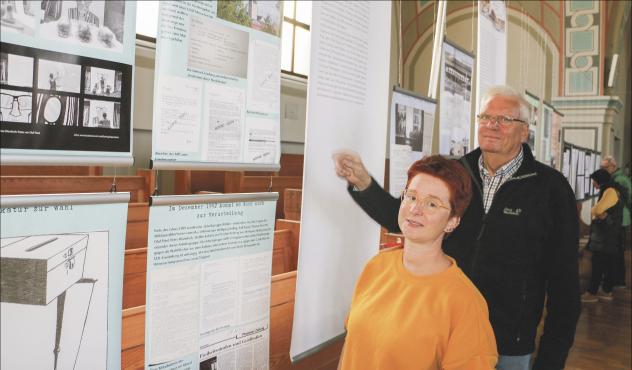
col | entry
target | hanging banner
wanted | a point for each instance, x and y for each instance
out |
(534, 109)
(66, 76)
(546, 134)
(217, 85)
(455, 101)
(556, 139)
(209, 262)
(596, 166)
(566, 163)
(491, 48)
(347, 102)
(61, 272)
(412, 124)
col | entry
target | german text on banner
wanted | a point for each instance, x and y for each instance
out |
(208, 282)
(61, 273)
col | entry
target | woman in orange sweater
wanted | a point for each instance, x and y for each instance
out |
(413, 308)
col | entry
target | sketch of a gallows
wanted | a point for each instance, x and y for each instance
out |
(37, 270)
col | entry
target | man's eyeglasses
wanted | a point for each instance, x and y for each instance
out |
(430, 205)
(503, 121)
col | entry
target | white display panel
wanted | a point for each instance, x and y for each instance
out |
(61, 272)
(491, 49)
(209, 262)
(455, 101)
(217, 85)
(66, 79)
(412, 126)
(347, 107)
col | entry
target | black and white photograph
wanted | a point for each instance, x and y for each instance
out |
(494, 11)
(103, 82)
(101, 114)
(16, 70)
(58, 76)
(57, 110)
(54, 317)
(409, 127)
(458, 148)
(400, 124)
(97, 24)
(15, 106)
(18, 16)
(209, 364)
(458, 76)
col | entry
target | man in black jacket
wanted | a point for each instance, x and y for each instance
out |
(518, 238)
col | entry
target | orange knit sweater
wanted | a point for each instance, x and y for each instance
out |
(399, 321)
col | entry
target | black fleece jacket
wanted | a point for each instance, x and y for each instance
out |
(523, 250)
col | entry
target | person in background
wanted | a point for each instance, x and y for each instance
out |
(605, 227)
(518, 238)
(413, 308)
(105, 122)
(625, 189)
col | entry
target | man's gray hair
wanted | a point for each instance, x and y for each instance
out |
(610, 160)
(507, 92)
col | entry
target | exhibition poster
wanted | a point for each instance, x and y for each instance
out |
(597, 165)
(577, 165)
(217, 85)
(347, 108)
(455, 101)
(534, 118)
(580, 184)
(566, 163)
(572, 174)
(546, 134)
(209, 263)
(61, 272)
(491, 66)
(556, 139)
(66, 76)
(412, 125)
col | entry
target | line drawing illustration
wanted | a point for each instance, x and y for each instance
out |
(49, 272)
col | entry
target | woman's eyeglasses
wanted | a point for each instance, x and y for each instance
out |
(430, 205)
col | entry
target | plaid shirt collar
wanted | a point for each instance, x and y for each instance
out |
(507, 170)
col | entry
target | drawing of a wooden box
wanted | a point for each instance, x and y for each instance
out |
(36, 269)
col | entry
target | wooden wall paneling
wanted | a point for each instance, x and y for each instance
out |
(134, 277)
(282, 252)
(137, 225)
(182, 182)
(208, 181)
(292, 199)
(51, 170)
(291, 165)
(150, 180)
(295, 233)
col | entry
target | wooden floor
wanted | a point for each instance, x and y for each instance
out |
(604, 333)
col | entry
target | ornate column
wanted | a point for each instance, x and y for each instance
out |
(590, 118)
